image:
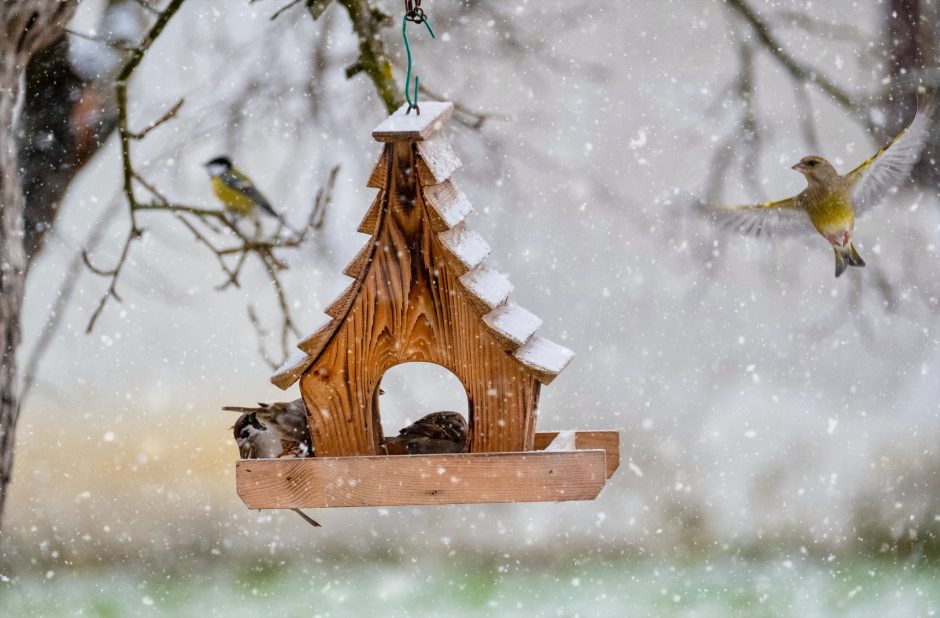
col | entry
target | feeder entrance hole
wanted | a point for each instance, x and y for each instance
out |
(411, 390)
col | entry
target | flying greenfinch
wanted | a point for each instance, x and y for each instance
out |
(830, 201)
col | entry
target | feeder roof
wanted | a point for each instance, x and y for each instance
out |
(465, 253)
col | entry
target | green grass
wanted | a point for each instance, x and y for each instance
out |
(509, 586)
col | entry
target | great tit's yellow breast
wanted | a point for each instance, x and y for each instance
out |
(234, 201)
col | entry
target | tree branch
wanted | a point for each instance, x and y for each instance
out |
(367, 23)
(796, 68)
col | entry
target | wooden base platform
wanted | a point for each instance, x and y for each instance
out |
(567, 465)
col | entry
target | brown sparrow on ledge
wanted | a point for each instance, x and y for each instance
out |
(271, 431)
(438, 432)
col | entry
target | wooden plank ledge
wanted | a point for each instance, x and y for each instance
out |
(402, 127)
(607, 440)
(402, 480)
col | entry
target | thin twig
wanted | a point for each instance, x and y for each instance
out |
(138, 135)
(125, 135)
(284, 8)
(791, 64)
(808, 121)
(261, 334)
(818, 27)
(322, 201)
(97, 39)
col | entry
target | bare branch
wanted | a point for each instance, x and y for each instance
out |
(816, 26)
(156, 123)
(322, 201)
(284, 8)
(261, 334)
(470, 118)
(97, 39)
(367, 23)
(125, 136)
(796, 68)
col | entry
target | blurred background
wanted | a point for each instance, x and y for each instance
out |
(779, 427)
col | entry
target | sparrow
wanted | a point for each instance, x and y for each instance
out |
(830, 201)
(235, 190)
(272, 430)
(438, 432)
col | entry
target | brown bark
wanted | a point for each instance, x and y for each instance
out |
(25, 27)
(910, 31)
(64, 120)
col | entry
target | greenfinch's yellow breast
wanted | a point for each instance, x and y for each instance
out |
(830, 211)
(234, 201)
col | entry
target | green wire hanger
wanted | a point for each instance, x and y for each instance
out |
(413, 13)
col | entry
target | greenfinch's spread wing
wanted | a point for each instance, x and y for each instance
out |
(873, 179)
(238, 181)
(766, 220)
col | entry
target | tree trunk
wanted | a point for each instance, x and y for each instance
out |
(910, 31)
(25, 27)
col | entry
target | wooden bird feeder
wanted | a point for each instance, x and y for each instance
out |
(422, 293)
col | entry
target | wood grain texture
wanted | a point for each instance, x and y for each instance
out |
(340, 306)
(370, 222)
(360, 262)
(410, 307)
(315, 343)
(380, 170)
(290, 372)
(607, 440)
(323, 482)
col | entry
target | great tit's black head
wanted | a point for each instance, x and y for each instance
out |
(218, 165)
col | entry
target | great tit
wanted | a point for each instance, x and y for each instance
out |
(235, 190)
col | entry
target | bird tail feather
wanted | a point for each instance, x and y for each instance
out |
(845, 257)
(852, 256)
(241, 409)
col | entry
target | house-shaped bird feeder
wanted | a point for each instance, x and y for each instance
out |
(422, 293)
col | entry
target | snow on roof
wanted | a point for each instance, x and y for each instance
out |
(513, 323)
(412, 127)
(488, 285)
(296, 363)
(465, 245)
(437, 161)
(312, 343)
(448, 202)
(545, 357)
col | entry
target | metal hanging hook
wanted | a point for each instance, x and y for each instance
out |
(415, 14)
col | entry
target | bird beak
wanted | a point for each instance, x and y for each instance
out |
(799, 167)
